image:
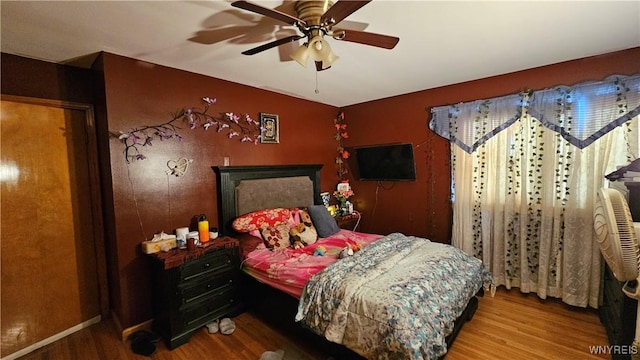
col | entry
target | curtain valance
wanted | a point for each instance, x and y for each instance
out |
(581, 113)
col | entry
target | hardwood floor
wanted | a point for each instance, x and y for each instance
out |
(510, 325)
(513, 325)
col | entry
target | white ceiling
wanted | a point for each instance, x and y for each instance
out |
(441, 42)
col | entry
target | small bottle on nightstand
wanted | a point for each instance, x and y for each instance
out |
(203, 230)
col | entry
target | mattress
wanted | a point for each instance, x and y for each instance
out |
(289, 270)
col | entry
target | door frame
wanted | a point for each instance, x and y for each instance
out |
(95, 187)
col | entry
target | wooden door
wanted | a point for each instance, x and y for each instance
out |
(52, 282)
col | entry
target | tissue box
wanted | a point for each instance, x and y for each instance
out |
(150, 247)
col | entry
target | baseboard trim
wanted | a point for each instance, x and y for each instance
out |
(130, 330)
(53, 338)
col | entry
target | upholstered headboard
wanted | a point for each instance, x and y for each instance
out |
(243, 189)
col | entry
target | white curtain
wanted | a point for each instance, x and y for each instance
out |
(524, 188)
(524, 204)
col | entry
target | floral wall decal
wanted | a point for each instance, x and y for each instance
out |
(233, 125)
(342, 155)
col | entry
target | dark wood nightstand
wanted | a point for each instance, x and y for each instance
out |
(193, 288)
(349, 222)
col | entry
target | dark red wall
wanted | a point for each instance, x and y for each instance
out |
(147, 201)
(423, 207)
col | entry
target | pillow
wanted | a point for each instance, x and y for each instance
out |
(260, 219)
(323, 221)
(294, 219)
(276, 237)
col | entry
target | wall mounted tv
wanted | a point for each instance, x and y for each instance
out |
(388, 162)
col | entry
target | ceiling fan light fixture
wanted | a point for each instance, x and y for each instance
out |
(321, 51)
(301, 55)
(318, 46)
(318, 49)
(329, 60)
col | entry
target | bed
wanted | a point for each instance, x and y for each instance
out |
(397, 297)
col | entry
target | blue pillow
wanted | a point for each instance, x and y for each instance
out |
(324, 223)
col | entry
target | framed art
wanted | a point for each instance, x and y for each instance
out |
(270, 129)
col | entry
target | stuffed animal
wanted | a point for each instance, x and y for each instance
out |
(319, 251)
(297, 244)
(345, 252)
(305, 218)
(305, 233)
(355, 246)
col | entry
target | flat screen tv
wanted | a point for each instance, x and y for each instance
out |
(388, 162)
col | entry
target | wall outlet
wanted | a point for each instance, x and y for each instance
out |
(226, 161)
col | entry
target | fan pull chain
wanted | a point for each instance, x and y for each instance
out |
(317, 91)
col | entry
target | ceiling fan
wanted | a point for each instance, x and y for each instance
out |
(315, 19)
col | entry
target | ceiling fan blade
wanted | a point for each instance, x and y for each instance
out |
(367, 38)
(353, 25)
(272, 44)
(268, 12)
(341, 9)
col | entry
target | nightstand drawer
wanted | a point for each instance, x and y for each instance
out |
(218, 261)
(210, 285)
(210, 308)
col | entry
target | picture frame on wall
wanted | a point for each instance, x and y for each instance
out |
(270, 128)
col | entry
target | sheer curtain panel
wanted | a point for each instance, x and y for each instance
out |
(526, 169)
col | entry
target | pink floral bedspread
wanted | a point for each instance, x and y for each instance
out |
(288, 270)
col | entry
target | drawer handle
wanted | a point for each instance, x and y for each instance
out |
(207, 267)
